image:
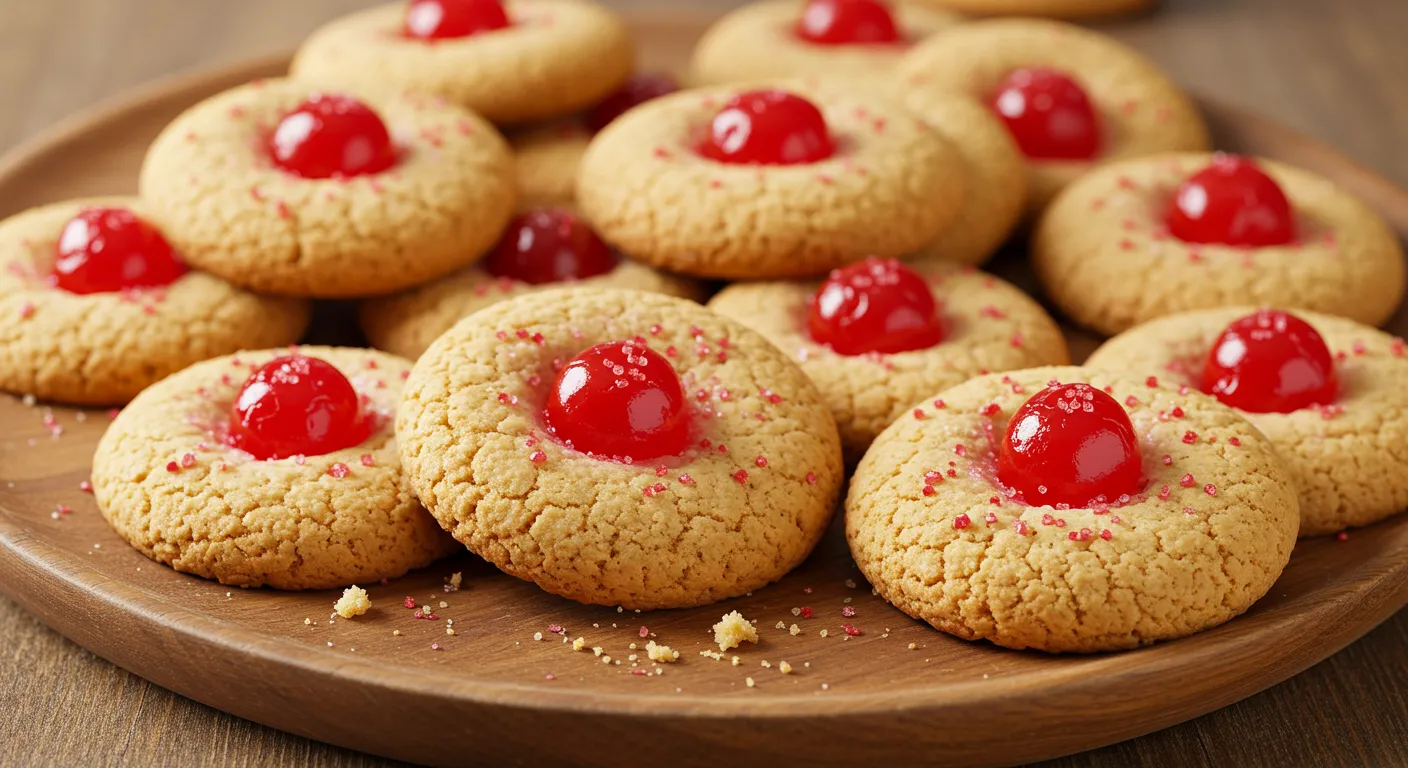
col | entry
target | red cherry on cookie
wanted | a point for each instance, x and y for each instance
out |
(840, 22)
(296, 406)
(1070, 444)
(878, 305)
(105, 250)
(1270, 362)
(768, 127)
(619, 400)
(1049, 114)
(447, 19)
(331, 136)
(638, 90)
(1232, 202)
(549, 245)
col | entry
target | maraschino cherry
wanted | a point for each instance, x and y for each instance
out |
(549, 245)
(106, 250)
(1232, 202)
(845, 22)
(768, 127)
(1270, 362)
(1070, 444)
(296, 405)
(330, 136)
(637, 90)
(1049, 114)
(448, 19)
(878, 305)
(619, 400)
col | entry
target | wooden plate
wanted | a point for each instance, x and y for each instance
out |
(899, 693)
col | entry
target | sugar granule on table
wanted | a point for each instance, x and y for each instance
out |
(732, 630)
(354, 602)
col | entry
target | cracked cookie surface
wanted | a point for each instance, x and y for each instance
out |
(740, 508)
(104, 348)
(166, 482)
(1348, 457)
(1207, 537)
(1104, 255)
(989, 325)
(211, 185)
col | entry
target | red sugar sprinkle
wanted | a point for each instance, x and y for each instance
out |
(538, 457)
(367, 460)
(741, 476)
(939, 404)
(1235, 442)
(761, 461)
(409, 602)
(556, 629)
(1167, 460)
(188, 460)
(990, 409)
(1151, 382)
(662, 470)
(996, 501)
(805, 612)
(919, 414)
(27, 310)
(848, 611)
(993, 312)
(932, 477)
(990, 518)
(173, 467)
(638, 672)
(1048, 519)
(686, 480)
(654, 490)
(959, 523)
(705, 443)
(952, 472)
(960, 450)
(1187, 481)
(1131, 401)
(1177, 413)
(434, 646)
(811, 478)
(85, 486)
(1106, 535)
(1342, 536)
(1164, 493)
(850, 629)
(644, 632)
(1210, 489)
(929, 490)
(723, 448)
(1190, 437)
(670, 351)
(339, 470)
(501, 336)
(63, 509)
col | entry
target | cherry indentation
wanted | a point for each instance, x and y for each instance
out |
(1270, 362)
(1049, 114)
(637, 90)
(549, 245)
(619, 400)
(876, 306)
(768, 127)
(296, 405)
(1070, 444)
(1232, 202)
(332, 136)
(449, 19)
(106, 250)
(847, 22)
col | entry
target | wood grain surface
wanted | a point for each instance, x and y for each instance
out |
(1325, 68)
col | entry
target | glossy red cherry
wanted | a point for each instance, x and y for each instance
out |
(878, 305)
(296, 406)
(1049, 114)
(549, 245)
(841, 22)
(619, 400)
(1270, 362)
(447, 19)
(1232, 202)
(768, 127)
(105, 250)
(638, 90)
(331, 136)
(1070, 444)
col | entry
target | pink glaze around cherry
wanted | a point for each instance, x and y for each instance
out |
(107, 250)
(296, 405)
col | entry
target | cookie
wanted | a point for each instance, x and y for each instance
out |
(168, 480)
(821, 38)
(774, 182)
(984, 325)
(536, 59)
(1341, 449)
(1185, 534)
(994, 171)
(279, 189)
(407, 323)
(1114, 251)
(1056, 9)
(724, 464)
(1073, 98)
(78, 324)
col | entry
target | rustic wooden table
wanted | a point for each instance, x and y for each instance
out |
(1332, 70)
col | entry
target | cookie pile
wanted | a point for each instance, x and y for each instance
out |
(576, 417)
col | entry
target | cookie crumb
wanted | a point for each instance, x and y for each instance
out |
(794, 630)
(354, 602)
(784, 668)
(732, 630)
(750, 682)
(661, 653)
(597, 650)
(579, 644)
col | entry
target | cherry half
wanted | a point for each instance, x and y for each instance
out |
(846, 22)
(1232, 202)
(449, 19)
(1270, 362)
(877, 305)
(549, 245)
(1070, 444)
(619, 400)
(637, 90)
(296, 406)
(768, 127)
(332, 136)
(106, 250)
(1049, 114)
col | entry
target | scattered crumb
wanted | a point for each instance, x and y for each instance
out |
(715, 655)
(597, 650)
(354, 602)
(444, 604)
(732, 630)
(737, 661)
(784, 668)
(456, 579)
(913, 646)
(537, 635)
(449, 630)
(850, 583)
(579, 644)
(823, 633)
(661, 653)
(395, 633)
(782, 625)
(605, 659)
(766, 665)
(307, 622)
(750, 682)
(794, 630)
